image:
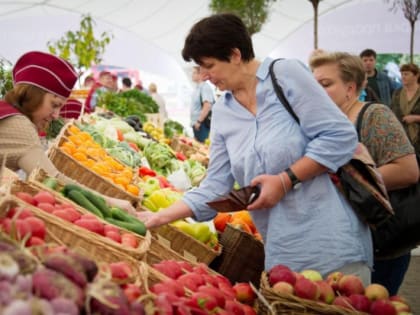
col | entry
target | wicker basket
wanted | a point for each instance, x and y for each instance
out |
(86, 243)
(242, 258)
(185, 245)
(73, 169)
(179, 146)
(66, 233)
(293, 305)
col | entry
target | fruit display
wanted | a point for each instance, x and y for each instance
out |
(342, 292)
(197, 290)
(239, 220)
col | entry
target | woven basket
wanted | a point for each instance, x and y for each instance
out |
(293, 305)
(89, 244)
(185, 245)
(179, 146)
(66, 233)
(73, 169)
(242, 258)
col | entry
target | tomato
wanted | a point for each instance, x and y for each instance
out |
(44, 196)
(34, 241)
(26, 197)
(91, 225)
(23, 213)
(37, 227)
(129, 240)
(115, 236)
(120, 270)
(47, 207)
(132, 292)
(67, 215)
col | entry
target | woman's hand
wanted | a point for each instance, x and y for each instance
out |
(197, 125)
(272, 191)
(409, 119)
(149, 218)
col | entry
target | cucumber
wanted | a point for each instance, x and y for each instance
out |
(138, 228)
(119, 214)
(50, 182)
(67, 188)
(82, 201)
(98, 202)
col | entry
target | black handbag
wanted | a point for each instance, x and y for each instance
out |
(358, 180)
(401, 232)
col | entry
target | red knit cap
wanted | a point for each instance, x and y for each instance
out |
(46, 71)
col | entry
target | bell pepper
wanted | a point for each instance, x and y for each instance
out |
(164, 183)
(145, 171)
(150, 185)
(180, 156)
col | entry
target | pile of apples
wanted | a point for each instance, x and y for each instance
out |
(197, 290)
(337, 289)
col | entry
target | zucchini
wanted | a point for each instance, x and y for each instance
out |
(119, 214)
(67, 188)
(138, 228)
(82, 201)
(98, 202)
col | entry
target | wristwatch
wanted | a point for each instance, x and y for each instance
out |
(296, 182)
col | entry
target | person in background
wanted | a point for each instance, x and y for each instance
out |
(139, 86)
(342, 75)
(42, 82)
(367, 94)
(71, 109)
(159, 100)
(378, 81)
(201, 104)
(126, 84)
(88, 82)
(256, 142)
(104, 84)
(114, 85)
(406, 103)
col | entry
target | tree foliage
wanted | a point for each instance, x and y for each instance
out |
(81, 47)
(411, 10)
(6, 81)
(254, 13)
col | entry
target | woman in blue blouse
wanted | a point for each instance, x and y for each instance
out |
(304, 221)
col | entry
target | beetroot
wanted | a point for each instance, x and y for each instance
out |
(68, 266)
(50, 284)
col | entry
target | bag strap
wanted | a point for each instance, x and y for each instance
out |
(280, 93)
(360, 118)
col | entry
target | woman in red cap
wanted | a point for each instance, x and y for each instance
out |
(41, 85)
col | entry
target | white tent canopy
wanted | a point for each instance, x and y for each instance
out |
(149, 35)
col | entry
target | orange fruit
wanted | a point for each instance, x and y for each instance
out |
(133, 189)
(221, 220)
(79, 156)
(73, 130)
(121, 180)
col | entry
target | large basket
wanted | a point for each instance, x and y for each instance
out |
(71, 235)
(185, 244)
(292, 305)
(89, 244)
(74, 169)
(242, 258)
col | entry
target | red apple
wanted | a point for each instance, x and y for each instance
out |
(191, 281)
(204, 301)
(400, 306)
(376, 291)
(343, 301)
(283, 287)
(333, 278)
(234, 307)
(284, 275)
(360, 302)
(216, 293)
(306, 289)
(382, 307)
(350, 284)
(244, 293)
(398, 298)
(326, 292)
(274, 272)
(248, 310)
(311, 274)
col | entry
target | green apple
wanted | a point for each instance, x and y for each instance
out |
(311, 274)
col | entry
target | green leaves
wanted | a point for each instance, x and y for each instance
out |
(6, 82)
(81, 47)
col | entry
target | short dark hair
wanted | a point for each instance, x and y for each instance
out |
(368, 53)
(126, 82)
(216, 36)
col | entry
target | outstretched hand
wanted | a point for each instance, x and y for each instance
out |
(149, 218)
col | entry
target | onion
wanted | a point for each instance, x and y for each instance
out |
(18, 307)
(6, 292)
(8, 267)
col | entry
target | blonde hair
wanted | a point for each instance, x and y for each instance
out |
(152, 88)
(350, 66)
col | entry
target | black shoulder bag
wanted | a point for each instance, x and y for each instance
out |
(358, 180)
(400, 232)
